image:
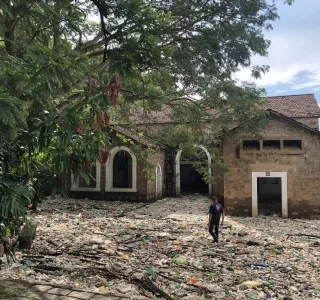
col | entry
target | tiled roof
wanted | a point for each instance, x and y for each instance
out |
(141, 116)
(164, 116)
(294, 106)
(291, 106)
(136, 136)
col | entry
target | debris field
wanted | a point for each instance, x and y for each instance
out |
(163, 250)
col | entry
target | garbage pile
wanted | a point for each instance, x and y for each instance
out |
(163, 250)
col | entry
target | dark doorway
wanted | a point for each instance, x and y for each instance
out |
(191, 181)
(122, 170)
(269, 196)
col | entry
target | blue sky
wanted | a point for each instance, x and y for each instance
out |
(294, 54)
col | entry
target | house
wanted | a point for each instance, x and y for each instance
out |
(277, 174)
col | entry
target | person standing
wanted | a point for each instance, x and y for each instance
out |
(215, 212)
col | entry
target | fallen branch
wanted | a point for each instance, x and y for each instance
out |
(51, 253)
(302, 234)
(157, 229)
(92, 261)
(144, 283)
(32, 256)
(188, 267)
(49, 268)
(43, 271)
(130, 241)
(174, 252)
(148, 285)
(123, 214)
(297, 280)
(53, 243)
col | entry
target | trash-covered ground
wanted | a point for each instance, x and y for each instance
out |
(163, 249)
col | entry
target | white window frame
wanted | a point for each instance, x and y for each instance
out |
(284, 191)
(177, 170)
(109, 171)
(75, 182)
(158, 167)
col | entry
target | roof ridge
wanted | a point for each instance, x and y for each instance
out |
(294, 95)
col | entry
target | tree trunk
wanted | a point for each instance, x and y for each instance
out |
(56, 28)
(10, 44)
(36, 197)
(35, 202)
(9, 36)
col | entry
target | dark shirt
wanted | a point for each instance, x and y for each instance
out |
(215, 210)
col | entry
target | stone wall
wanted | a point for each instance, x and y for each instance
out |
(218, 190)
(302, 167)
(310, 122)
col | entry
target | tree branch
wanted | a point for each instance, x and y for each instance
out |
(23, 14)
(84, 47)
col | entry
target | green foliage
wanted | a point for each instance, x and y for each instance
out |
(14, 200)
(15, 192)
(39, 68)
(188, 139)
(142, 153)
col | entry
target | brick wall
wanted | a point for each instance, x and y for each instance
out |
(310, 122)
(218, 186)
(302, 167)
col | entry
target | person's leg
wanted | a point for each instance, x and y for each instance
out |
(212, 233)
(216, 230)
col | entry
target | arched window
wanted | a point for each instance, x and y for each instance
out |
(122, 170)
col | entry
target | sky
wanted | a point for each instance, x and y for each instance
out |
(294, 54)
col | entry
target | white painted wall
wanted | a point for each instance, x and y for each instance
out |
(158, 182)
(284, 191)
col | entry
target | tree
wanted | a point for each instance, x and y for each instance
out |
(198, 45)
(38, 68)
(180, 54)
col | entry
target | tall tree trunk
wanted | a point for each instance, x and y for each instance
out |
(36, 197)
(10, 44)
(9, 37)
(56, 28)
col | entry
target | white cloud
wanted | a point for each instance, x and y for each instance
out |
(289, 54)
(312, 82)
(280, 91)
(294, 56)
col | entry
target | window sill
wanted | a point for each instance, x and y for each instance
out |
(277, 152)
(125, 190)
(80, 189)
